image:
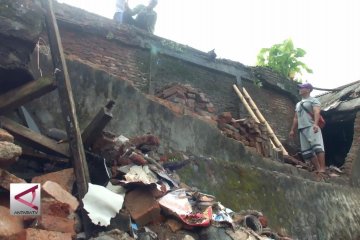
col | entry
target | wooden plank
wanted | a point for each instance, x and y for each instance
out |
(97, 125)
(67, 100)
(25, 93)
(33, 139)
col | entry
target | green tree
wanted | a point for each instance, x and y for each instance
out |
(284, 59)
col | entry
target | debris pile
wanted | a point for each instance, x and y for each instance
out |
(136, 199)
(247, 131)
(187, 96)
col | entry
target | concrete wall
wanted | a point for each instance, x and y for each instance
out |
(238, 177)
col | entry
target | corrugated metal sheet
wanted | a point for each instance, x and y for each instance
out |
(346, 98)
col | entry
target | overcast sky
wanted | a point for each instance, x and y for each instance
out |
(328, 30)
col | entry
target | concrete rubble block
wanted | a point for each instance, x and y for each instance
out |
(6, 178)
(65, 178)
(57, 224)
(5, 136)
(38, 234)
(142, 206)
(9, 225)
(9, 152)
(56, 191)
(50, 206)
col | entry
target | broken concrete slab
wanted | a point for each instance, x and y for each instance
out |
(65, 178)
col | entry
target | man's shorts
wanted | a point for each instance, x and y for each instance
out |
(311, 143)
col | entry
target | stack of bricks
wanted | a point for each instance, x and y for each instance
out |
(247, 131)
(188, 97)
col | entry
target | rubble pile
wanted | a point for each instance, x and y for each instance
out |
(187, 96)
(247, 131)
(136, 199)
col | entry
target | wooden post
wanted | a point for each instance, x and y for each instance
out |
(66, 101)
(97, 125)
(263, 120)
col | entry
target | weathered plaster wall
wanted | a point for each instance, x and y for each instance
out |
(239, 177)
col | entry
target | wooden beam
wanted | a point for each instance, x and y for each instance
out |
(67, 100)
(25, 93)
(33, 139)
(97, 125)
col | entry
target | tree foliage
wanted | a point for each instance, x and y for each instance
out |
(284, 59)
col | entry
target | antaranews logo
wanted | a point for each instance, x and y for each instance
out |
(25, 199)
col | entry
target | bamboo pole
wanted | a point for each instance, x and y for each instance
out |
(243, 100)
(248, 108)
(263, 120)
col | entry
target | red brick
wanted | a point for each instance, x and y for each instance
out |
(9, 225)
(56, 191)
(6, 178)
(65, 178)
(57, 224)
(5, 136)
(142, 206)
(226, 116)
(50, 206)
(38, 234)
